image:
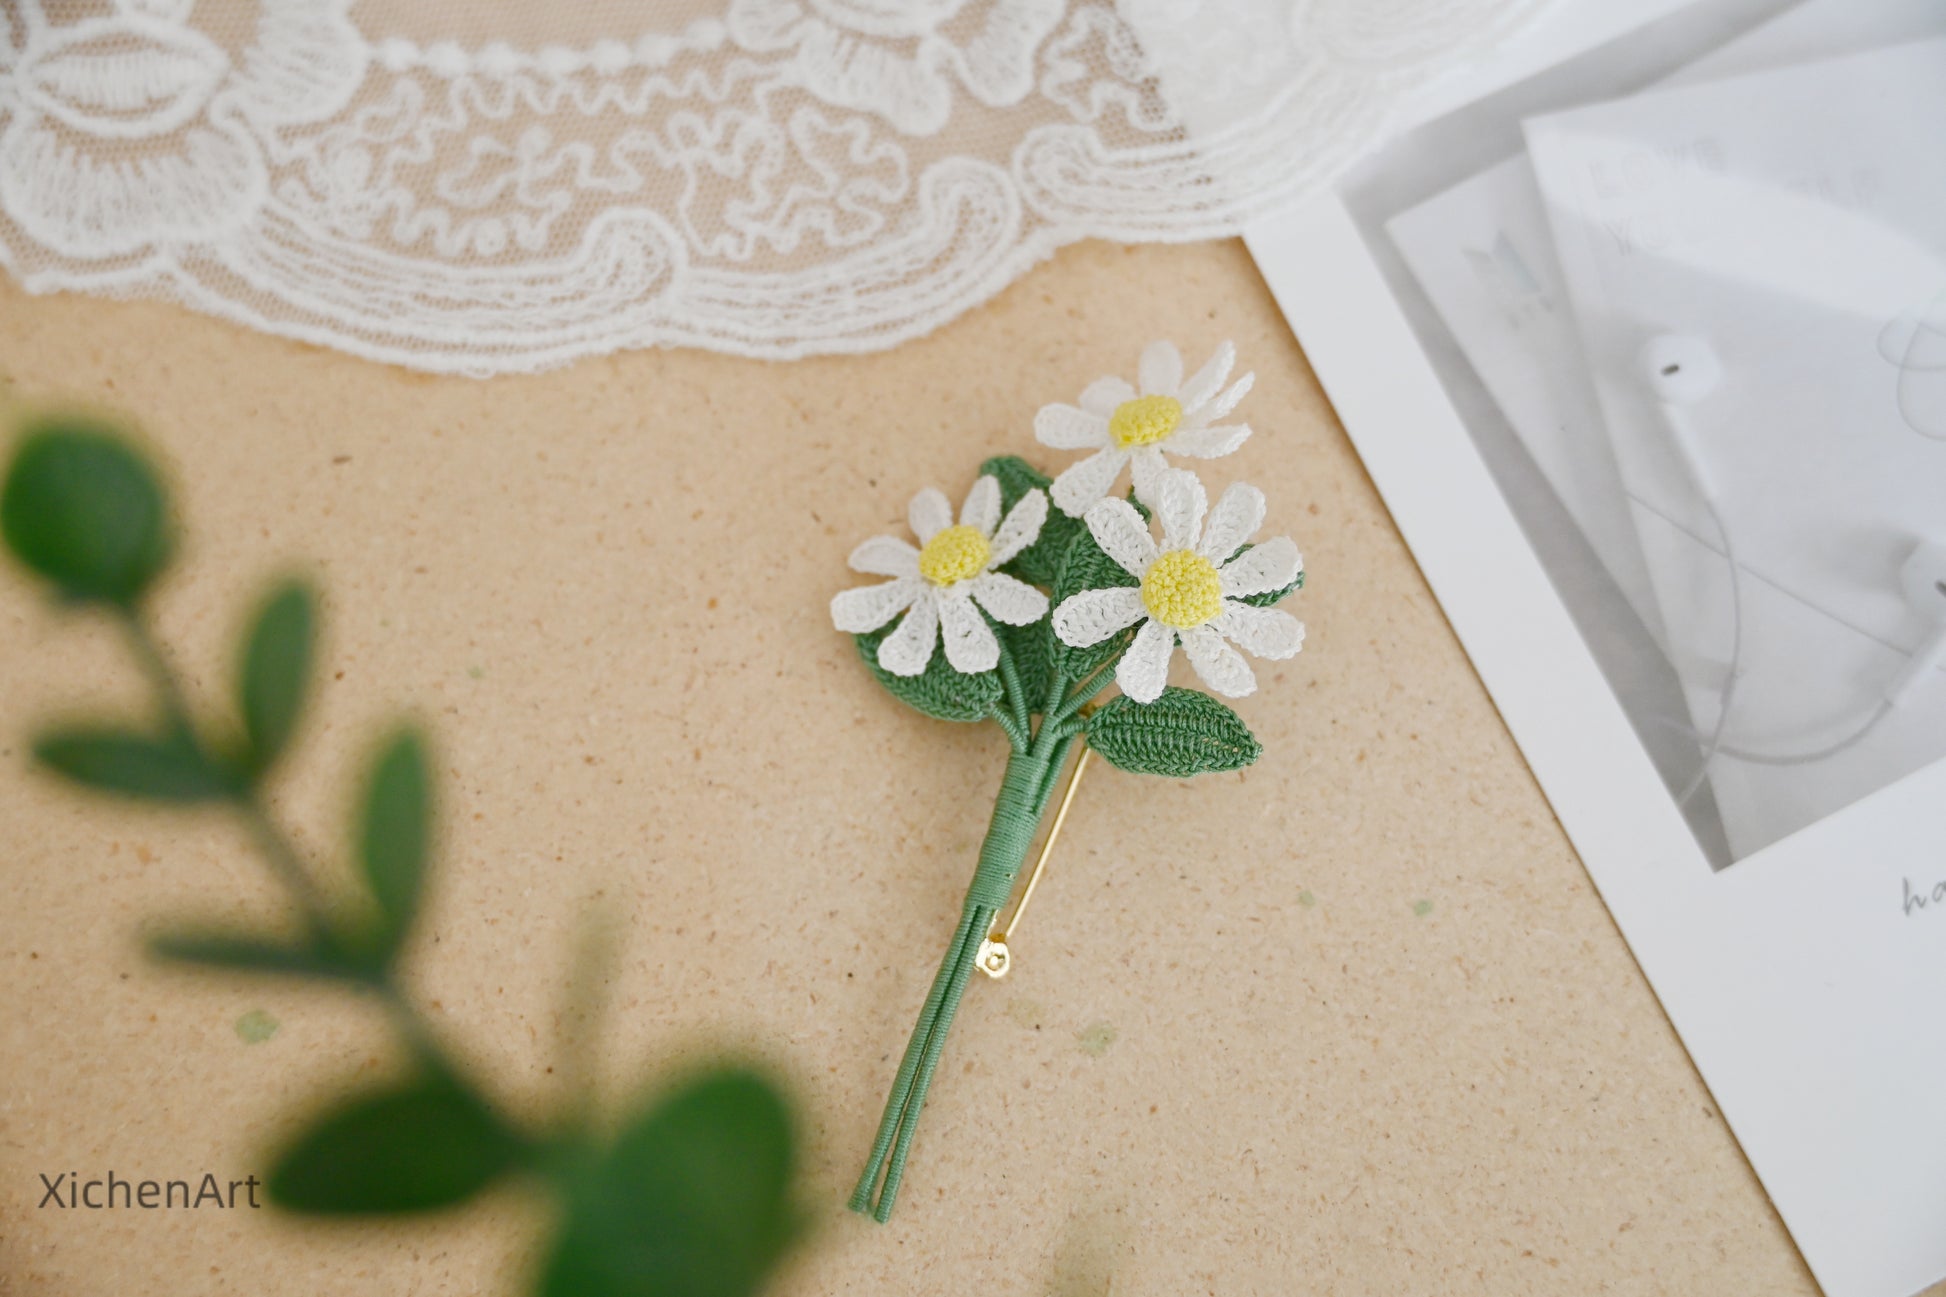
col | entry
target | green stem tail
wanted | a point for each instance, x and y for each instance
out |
(1023, 797)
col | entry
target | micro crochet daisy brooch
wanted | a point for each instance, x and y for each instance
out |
(1022, 614)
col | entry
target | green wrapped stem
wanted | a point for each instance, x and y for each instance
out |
(1016, 814)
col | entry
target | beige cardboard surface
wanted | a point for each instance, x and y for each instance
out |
(1351, 1022)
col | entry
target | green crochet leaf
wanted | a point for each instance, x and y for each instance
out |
(1269, 596)
(1017, 477)
(938, 691)
(1179, 734)
(1039, 562)
(1032, 649)
(1087, 567)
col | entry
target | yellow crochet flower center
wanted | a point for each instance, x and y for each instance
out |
(1182, 589)
(1144, 421)
(953, 555)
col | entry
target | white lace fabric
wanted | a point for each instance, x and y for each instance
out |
(771, 178)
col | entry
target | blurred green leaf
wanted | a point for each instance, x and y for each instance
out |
(242, 952)
(276, 670)
(112, 760)
(1039, 562)
(693, 1200)
(938, 691)
(419, 1147)
(83, 509)
(1179, 734)
(397, 834)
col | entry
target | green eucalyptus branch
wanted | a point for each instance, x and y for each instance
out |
(692, 1198)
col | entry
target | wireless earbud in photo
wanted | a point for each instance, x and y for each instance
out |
(1923, 578)
(1682, 370)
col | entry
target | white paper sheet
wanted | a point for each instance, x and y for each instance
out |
(1804, 979)
(1483, 253)
(1793, 218)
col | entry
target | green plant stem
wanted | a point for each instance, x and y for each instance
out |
(1017, 739)
(1081, 696)
(1016, 697)
(1032, 772)
(277, 849)
(282, 857)
(1057, 683)
(286, 862)
(1057, 761)
(1017, 812)
(586, 1003)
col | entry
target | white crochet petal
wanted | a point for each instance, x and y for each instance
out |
(1225, 403)
(885, 556)
(929, 514)
(982, 508)
(1160, 373)
(1207, 443)
(1144, 670)
(1234, 520)
(907, 650)
(1009, 600)
(1066, 428)
(1083, 483)
(1221, 667)
(1146, 466)
(1266, 567)
(970, 645)
(1104, 394)
(1266, 632)
(871, 606)
(1123, 536)
(1093, 615)
(1180, 504)
(1203, 384)
(1021, 528)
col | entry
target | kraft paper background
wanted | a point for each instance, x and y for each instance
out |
(1350, 1022)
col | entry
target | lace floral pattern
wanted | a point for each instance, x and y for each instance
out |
(785, 178)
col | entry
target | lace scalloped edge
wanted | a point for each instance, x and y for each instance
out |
(262, 187)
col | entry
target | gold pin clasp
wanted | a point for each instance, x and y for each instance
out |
(994, 959)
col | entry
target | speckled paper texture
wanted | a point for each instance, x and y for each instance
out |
(1350, 1022)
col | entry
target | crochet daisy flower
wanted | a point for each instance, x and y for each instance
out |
(1036, 677)
(1123, 426)
(937, 584)
(1191, 588)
